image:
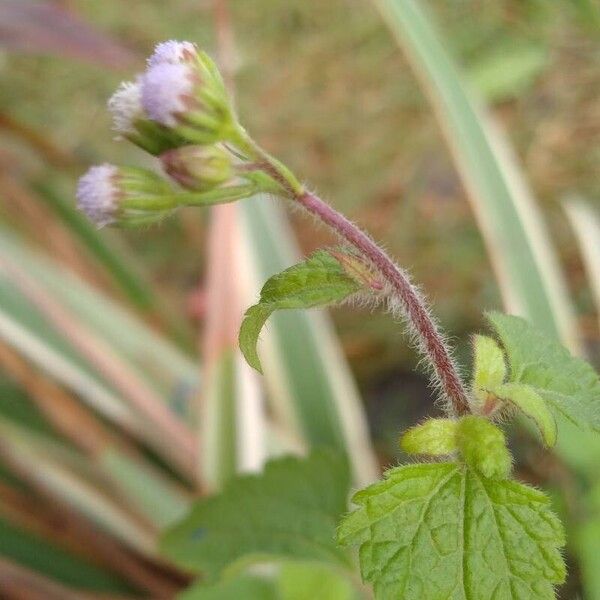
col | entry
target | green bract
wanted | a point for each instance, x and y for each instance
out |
(443, 532)
(435, 437)
(569, 385)
(478, 441)
(483, 447)
(318, 281)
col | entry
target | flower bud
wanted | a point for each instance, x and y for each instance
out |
(198, 167)
(124, 195)
(173, 52)
(182, 90)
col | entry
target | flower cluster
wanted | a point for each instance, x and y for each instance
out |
(177, 110)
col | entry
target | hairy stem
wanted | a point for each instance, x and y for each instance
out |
(430, 339)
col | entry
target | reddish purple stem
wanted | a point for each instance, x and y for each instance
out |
(429, 336)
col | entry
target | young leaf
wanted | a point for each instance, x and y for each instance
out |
(289, 511)
(530, 402)
(442, 532)
(318, 281)
(435, 437)
(483, 447)
(569, 385)
(489, 368)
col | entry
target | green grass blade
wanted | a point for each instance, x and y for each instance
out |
(42, 352)
(143, 415)
(65, 475)
(131, 282)
(526, 267)
(219, 436)
(232, 428)
(310, 385)
(157, 498)
(585, 222)
(164, 366)
(112, 255)
(51, 561)
(46, 409)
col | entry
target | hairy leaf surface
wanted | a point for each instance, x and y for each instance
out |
(443, 532)
(569, 385)
(318, 281)
(289, 511)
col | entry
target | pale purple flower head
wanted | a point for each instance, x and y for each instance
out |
(98, 194)
(166, 91)
(172, 52)
(125, 106)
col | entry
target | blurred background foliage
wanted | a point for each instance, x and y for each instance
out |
(324, 86)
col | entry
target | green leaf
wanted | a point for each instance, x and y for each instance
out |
(442, 532)
(489, 368)
(569, 385)
(531, 403)
(307, 581)
(435, 437)
(245, 586)
(483, 447)
(289, 511)
(318, 281)
(292, 580)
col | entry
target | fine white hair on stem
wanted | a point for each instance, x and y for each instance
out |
(125, 106)
(98, 194)
(404, 301)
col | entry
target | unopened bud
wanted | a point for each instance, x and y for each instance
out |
(109, 195)
(198, 167)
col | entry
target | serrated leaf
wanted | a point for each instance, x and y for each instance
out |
(569, 385)
(489, 368)
(531, 403)
(318, 281)
(290, 511)
(483, 447)
(435, 437)
(442, 532)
